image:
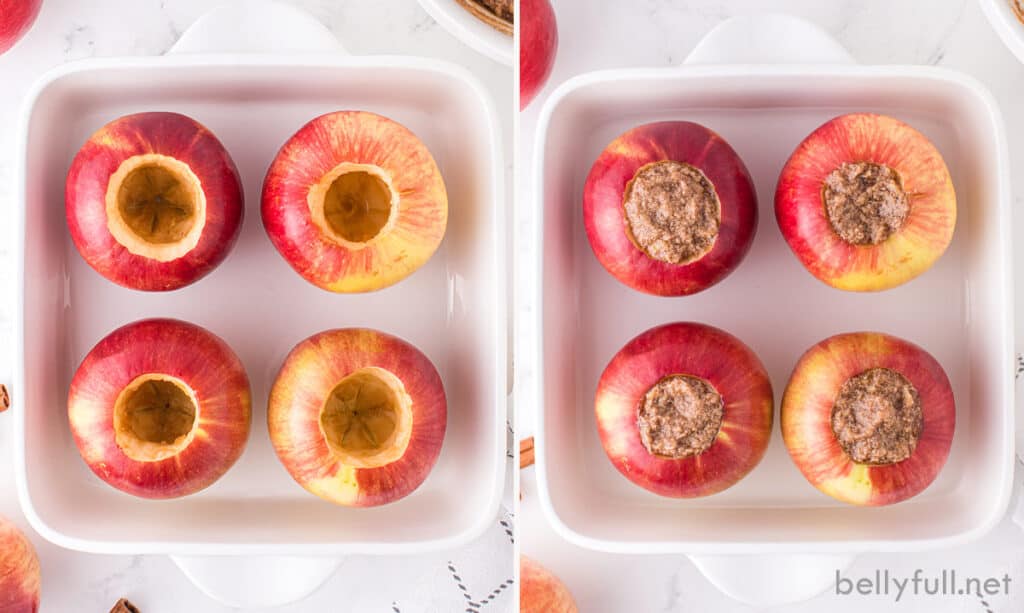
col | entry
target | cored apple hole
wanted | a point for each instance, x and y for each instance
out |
(680, 417)
(865, 202)
(157, 204)
(877, 417)
(155, 417)
(366, 417)
(672, 212)
(357, 206)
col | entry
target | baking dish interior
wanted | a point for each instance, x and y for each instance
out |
(958, 310)
(452, 308)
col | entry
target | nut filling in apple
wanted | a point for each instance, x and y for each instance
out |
(680, 417)
(877, 417)
(155, 207)
(354, 204)
(672, 212)
(155, 417)
(865, 202)
(367, 418)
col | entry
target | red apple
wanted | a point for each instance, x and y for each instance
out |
(684, 410)
(538, 44)
(868, 418)
(866, 202)
(357, 416)
(354, 202)
(160, 408)
(153, 201)
(19, 569)
(16, 18)
(540, 591)
(669, 208)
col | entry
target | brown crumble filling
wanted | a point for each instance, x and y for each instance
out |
(865, 202)
(672, 212)
(877, 417)
(680, 417)
(502, 8)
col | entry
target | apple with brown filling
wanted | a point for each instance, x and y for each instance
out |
(684, 410)
(153, 201)
(160, 408)
(357, 416)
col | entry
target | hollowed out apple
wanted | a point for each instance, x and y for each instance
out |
(357, 416)
(866, 203)
(540, 591)
(684, 410)
(160, 408)
(153, 201)
(354, 202)
(669, 208)
(16, 18)
(19, 571)
(538, 31)
(868, 418)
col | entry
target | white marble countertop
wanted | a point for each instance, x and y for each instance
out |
(600, 34)
(74, 29)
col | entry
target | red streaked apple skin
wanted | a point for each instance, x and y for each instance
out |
(865, 137)
(20, 579)
(605, 221)
(16, 19)
(180, 349)
(807, 418)
(308, 375)
(172, 135)
(355, 137)
(540, 591)
(701, 351)
(538, 31)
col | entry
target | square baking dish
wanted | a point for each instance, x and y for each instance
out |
(453, 308)
(960, 310)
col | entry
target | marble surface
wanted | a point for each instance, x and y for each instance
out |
(73, 29)
(599, 34)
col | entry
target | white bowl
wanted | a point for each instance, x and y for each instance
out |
(464, 26)
(1005, 22)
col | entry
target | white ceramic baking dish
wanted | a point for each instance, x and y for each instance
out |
(453, 308)
(746, 82)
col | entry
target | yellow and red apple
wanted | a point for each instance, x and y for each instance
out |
(20, 579)
(866, 203)
(669, 208)
(354, 202)
(357, 416)
(16, 18)
(160, 408)
(684, 410)
(538, 31)
(540, 591)
(868, 418)
(153, 201)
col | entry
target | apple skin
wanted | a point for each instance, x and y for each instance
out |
(701, 351)
(538, 33)
(807, 418)
(354, 137)
(168, 134)
(865, 137)
(179, 349)
(540, 591)
(20, 579)
(16, 19)
(307, 377)
(605, 222)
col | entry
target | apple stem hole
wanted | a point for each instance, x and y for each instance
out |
(156, 204)
(357, 206)
(155, 417)
(362, 416)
